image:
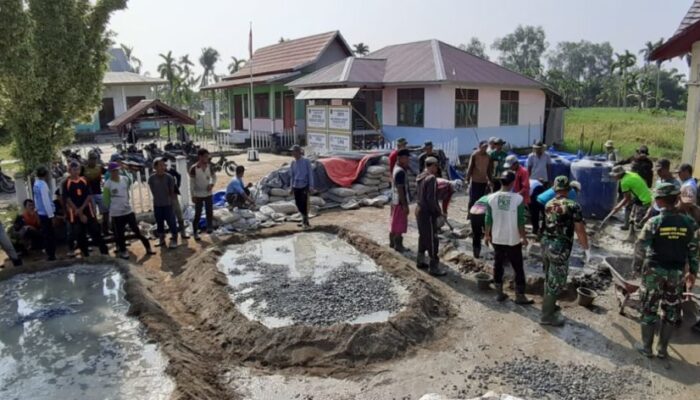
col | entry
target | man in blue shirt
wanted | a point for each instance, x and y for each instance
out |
(237, 192)
(45, 209)
(302, 183)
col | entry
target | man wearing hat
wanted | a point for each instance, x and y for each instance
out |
(664, 174)
(505, 228)
(479, 173)
(401, 144)
(399, 201)
(429, 152)
(669, 243)
(641, 164)
(610, 152)
(302, 182)
(539, 164)
(634, 191)
(427, 212)
(498, 160)
(116, 196)
(562, 217)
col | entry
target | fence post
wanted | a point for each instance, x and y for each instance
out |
(21, 189)
(181, 167)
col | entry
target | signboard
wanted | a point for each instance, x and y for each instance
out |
(339, 118)
(339, 143)
(316, 117)
(317, 142)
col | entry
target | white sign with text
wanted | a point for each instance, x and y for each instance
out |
(339, 143)
(339, 118)
(316, 117)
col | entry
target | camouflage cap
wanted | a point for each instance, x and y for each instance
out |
(666, 189)
(561, 183)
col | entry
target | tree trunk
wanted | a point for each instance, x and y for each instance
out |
(658, 88)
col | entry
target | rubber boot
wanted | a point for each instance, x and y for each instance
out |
(549, 314)
(435, 269)
(398, 244)
(392, 241)
(500, 295)
(645, 347)
(664, 337)
(522, 300)
(420, 261)
(626, 225)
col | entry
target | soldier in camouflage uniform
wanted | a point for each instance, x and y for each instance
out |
(669, 241)
(562, 218)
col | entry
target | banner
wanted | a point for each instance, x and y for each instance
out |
(339, 143)
(339, 118)
(316, 117)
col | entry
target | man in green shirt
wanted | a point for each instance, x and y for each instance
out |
(634, 191)
(498, 160)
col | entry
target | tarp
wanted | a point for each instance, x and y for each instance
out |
(343, 171)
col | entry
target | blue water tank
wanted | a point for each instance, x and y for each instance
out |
(560, 166)
(598, 188)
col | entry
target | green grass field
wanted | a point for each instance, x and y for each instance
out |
(662, 133)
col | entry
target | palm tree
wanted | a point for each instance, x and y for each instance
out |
(235, 65)
(622, 64)
(186, 66)
(640, 93)
(360, 49)
(169, 70)
(649, 48)
(208, 60)
(133, 61)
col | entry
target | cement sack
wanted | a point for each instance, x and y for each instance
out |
(384, 160)
(261, 198)
(261, 217)
(339, 200)
(252, 222)
(376, 170)
(225, 217)
(370, 181)
(279, 192)
(350, 205)
(277, 199)
(342, 192)
(360, 189)
(247, 214)
(384, 185)
(317, 201)
(278, 217)
(267, 210)
(283, 207)
(378, 201)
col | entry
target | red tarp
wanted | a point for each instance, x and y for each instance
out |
(342, 171)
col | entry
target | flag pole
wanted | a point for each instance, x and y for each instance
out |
(252, 155)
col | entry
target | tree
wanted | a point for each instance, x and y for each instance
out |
(186, 67)
(208, 60)
(235, 65)
(649, 48)
(584, 63)
(622, 65)
(475, 47)
(360, 49)
(43, 98)
(170, 70)
(282, 39)
(522, 50)
(135, 63)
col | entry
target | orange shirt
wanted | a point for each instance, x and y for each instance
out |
(31, 219)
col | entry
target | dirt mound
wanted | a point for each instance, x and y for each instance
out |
(205, 294)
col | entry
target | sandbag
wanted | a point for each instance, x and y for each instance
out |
(384, 185)
(261, 198)
(384, 160)
(370, 181)
(283, 207)
(247, 214)
(360, 189)
(267, 210)
(350, 205)
(261, 216)
(317, 201)
(278, 217)
(337, 199)
(277, 199)
(224, 216)
(376, 170)
(279, 192)
(342, 192)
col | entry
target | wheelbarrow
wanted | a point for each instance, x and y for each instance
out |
(626, 290)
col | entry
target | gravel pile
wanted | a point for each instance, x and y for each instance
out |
(543, 379)
(342, 296)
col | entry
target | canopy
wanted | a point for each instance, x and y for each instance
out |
(328, 94)
(151, 110)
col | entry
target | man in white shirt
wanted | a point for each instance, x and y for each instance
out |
(505, 228)
(539, 164)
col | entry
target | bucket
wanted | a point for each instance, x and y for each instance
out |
(586, 296)
(483, 281)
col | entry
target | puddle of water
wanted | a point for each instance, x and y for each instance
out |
(64, 334)
(312, 256)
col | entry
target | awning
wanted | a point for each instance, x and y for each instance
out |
(245, 81)
(151, 110)
(328, 94)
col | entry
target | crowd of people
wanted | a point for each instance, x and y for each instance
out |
(501, 194)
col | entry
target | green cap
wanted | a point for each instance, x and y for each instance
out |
(561, 183)
(666, 189)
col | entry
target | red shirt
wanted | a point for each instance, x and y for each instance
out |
(393, 156)
(522, 183)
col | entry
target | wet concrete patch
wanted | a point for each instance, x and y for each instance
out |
(310, 278)
(65, 333)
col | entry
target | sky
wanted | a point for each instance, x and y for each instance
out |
(186, 26)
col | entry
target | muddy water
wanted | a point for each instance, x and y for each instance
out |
(312, 255)
(64, 334)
